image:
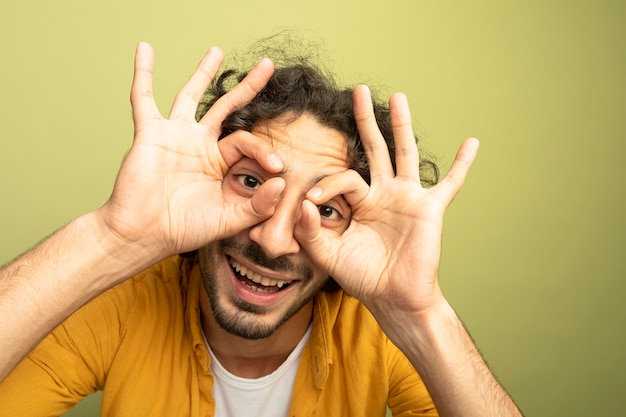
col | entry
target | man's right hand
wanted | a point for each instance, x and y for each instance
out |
(167, 199)
(168, 195)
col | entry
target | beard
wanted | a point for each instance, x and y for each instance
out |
(250, 321)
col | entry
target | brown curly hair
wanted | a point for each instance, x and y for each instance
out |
(302, 88)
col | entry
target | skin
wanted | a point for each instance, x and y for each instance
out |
(174, 193)
(309, 151)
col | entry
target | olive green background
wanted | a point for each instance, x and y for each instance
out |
(534, 244)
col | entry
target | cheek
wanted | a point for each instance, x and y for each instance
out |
(208, 259)
(318, 277)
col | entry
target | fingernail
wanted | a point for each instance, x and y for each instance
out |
(315, 192)
(275, 162)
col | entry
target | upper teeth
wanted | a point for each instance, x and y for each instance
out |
(259, 279)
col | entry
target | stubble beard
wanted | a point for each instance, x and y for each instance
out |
(248, 319)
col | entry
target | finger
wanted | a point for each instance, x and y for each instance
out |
(245, 91)
(255, 209)
(141, 95)
(241, 144)
(189, 96)
(347, 183)
(407, 156)
(451, 184)
(373, 141)
(308, 232)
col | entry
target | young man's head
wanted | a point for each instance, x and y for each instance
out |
(260, 279)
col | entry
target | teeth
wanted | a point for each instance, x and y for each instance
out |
(259, 279)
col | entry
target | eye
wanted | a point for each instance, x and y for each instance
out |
(248, 181)
(329, 212)
(335, 214)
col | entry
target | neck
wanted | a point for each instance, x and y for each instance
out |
(248, 358)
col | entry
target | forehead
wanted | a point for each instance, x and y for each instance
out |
(305, 142)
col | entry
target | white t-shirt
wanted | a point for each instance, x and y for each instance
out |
(267, 396)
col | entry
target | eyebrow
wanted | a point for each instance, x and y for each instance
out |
(315, 180)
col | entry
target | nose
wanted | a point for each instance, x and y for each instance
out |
(275, 235)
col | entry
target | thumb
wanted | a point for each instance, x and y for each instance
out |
(255, 209)
(308, 232)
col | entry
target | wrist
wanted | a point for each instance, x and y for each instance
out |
(418, 330)
(122, 255)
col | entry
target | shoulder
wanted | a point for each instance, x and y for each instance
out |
(347, 328)
(345, 321)
(348, 317)
(118, 305)
(167, 273)
(338, 303)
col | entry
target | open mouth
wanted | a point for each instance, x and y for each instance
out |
(255, 281)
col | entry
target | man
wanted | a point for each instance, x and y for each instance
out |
(270, 191)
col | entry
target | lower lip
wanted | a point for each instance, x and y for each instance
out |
(262, 299)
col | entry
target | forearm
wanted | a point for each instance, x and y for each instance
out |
(457, 377)
(47, 284)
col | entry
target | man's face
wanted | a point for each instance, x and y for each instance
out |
(261, 277)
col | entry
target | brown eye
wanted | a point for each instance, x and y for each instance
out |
(249, 181)
(326, 211)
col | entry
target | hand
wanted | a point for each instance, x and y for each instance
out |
(168, 195)
(389, 255)
(388, 258)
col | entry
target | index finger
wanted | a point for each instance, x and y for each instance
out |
(451, 184)
(241, 94)
(189, 96)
